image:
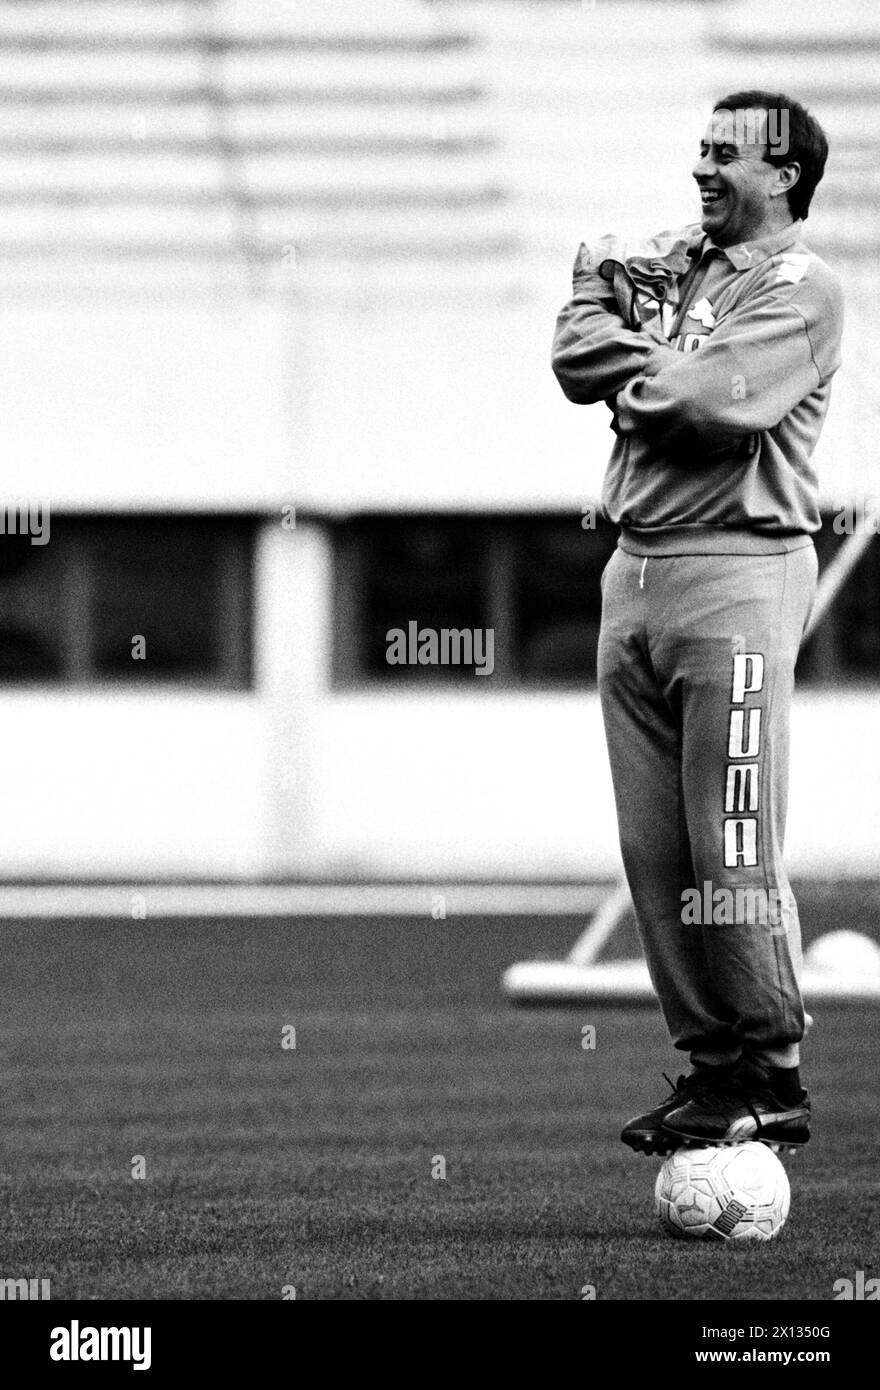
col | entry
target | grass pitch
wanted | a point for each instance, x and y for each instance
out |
(269, 1167)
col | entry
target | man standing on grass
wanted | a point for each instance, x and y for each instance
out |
(714, 348)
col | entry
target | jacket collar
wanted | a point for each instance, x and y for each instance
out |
(747, 254)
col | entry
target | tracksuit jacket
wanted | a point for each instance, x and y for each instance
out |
(720, 438)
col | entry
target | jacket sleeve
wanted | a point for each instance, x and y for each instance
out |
(763, 359)
(594, 353)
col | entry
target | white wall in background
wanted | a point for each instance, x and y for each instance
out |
(518, 785)
(139, 404)
(139, 785)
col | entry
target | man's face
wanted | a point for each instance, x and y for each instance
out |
(742, 195)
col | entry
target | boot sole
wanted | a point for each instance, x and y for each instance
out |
(662, 1145)
(778, 1146)
(654, 1144)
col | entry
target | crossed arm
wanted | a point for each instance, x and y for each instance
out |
(595, 354)
(757, 365)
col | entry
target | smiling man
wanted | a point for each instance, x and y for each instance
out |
(714, 347)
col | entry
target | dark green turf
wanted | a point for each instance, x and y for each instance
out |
(312, 1167)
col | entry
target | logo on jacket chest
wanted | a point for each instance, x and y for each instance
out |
(689, 339)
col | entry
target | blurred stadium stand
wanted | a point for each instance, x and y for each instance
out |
(205, 144)
(258, 255)
(192, 142)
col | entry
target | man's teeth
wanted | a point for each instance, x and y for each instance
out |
(710, 195)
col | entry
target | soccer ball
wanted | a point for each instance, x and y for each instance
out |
(739, 1192)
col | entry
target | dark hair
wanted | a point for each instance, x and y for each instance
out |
(806, 144)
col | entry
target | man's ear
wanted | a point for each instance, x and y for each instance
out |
(787, 176)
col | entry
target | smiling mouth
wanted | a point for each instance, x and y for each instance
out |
(710, 196)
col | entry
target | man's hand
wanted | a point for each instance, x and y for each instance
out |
(661, 350)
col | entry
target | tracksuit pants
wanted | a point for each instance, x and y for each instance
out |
(696, 672)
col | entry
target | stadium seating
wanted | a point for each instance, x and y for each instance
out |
(183, 143)
(193, 144)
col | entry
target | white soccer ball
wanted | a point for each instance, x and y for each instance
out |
(739, 1192)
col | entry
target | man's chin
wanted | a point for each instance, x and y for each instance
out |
(713, 225)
